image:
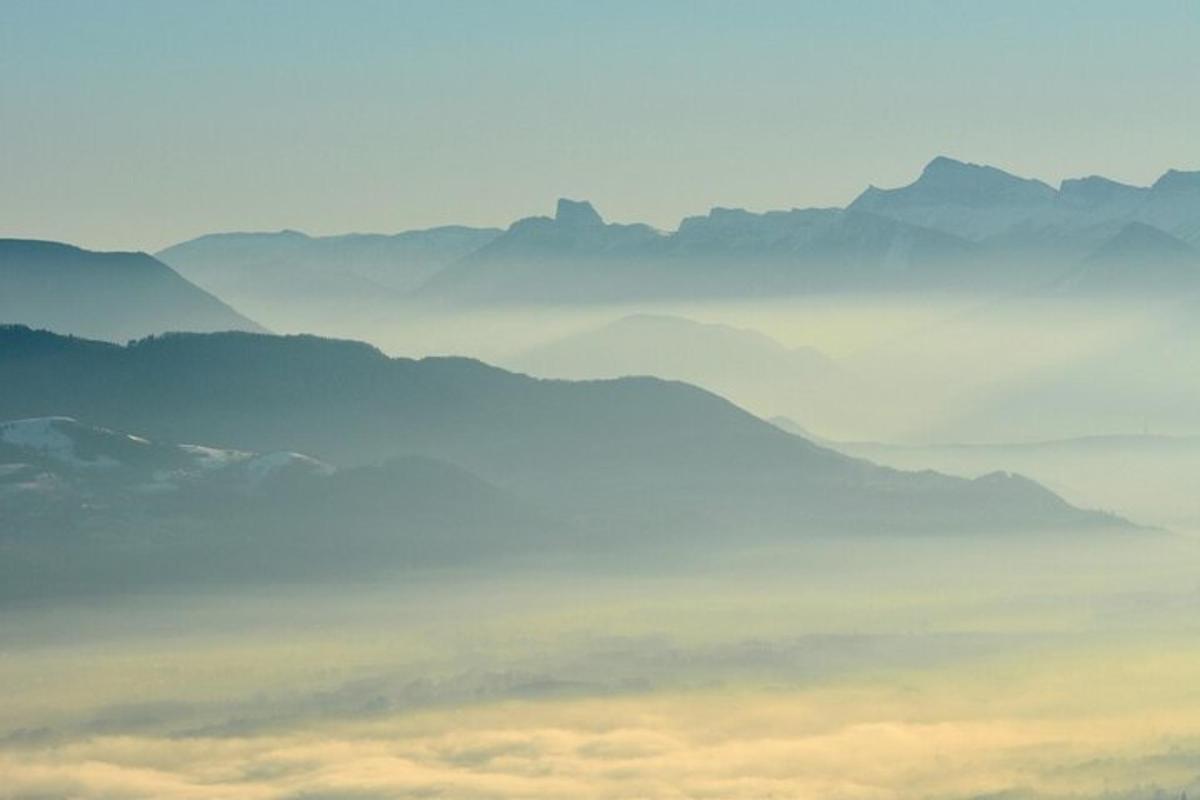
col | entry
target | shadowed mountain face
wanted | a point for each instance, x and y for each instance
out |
(88, 509)
(113, 296)
(1137, 260)
(623, 457)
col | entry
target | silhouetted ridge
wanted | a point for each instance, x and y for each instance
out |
(112, 296)
(1095, 191)
(267, 271)
(958, 227)
(629, 455)
(1174, 180)
(945, 180)
(85, 509)
(577, 213)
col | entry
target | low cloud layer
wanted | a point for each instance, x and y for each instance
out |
(1095, 700)
(749, 744)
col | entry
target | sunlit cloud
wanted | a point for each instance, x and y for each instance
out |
(841, 744)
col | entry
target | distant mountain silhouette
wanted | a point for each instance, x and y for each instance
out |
(634, 457)
(958, 227)
(1099, 194)
(1173, 204)
(744, 366)
(576, 257)
(570, 256)
(1137, 259)
(1093, 470)
(267, 272)
(967, 200)
(988, 205)
(114, 296)
(821, 250)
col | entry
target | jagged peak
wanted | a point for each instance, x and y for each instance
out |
(577, 212)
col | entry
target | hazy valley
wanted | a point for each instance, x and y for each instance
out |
(668, 400)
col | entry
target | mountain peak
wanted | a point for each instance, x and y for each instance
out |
(578, 213)
(1095, 184)
(1174, 180)
(126, 294)
(960, 176)
(1095, 190)
(946, 165)
(948, 183)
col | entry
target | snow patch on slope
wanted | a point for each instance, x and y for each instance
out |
(45, 436)
(265, 466)
(212, 458)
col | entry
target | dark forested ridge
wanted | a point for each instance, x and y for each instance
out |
(613, 452)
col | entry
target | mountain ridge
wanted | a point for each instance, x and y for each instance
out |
(624, 454)
(107, 295)
(91, 510)
(958, 226)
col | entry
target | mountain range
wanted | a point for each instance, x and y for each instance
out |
(957, 227)
(86, 509)
(270, 273)
(626, 459)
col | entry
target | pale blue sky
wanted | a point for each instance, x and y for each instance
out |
(137, 124)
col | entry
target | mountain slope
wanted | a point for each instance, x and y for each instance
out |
(1092, 470)
(968, 200)
(114, 296)
(1137, 259)
(572, 256)
(268, 262)
(1017, 218)
(274, 273)
(91, 509)
(807, 250)
(747, 367)
(87, 453)
(577, 257)
(631, 457)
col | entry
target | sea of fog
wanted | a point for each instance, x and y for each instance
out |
(1040, 665)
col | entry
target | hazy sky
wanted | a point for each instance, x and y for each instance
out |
(137, 124)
